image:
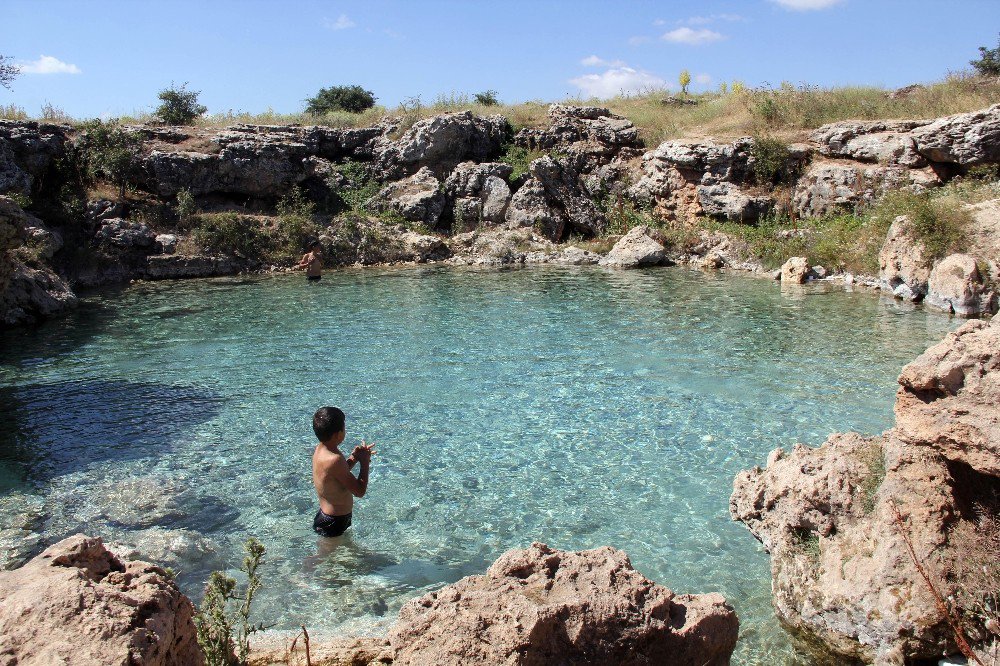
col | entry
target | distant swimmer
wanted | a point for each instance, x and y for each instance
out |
(312, 261)
(335, 486)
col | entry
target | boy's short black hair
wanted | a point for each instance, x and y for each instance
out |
(327, 422)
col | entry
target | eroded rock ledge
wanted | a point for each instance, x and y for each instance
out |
(843, 578)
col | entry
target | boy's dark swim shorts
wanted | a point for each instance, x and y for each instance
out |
(330, 526)
(314, 278)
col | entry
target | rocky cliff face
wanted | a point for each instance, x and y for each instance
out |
(843, 575)
(443, 175)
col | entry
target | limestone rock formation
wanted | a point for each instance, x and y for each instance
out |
(545, 606)
(955, 285)
(949, 396)
(635, 250)
(441, 142)
(964, 139)
(554, 202)
(795, 270)
(591, 134)
(27, 150)
(417, 198)
(828, 187)
(728, 201)
(875, 142)
(903, 266)
(843, 576)
(78, 603)
(479, 193)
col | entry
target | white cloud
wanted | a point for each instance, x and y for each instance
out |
(702, 79)
(659, 22)
(618, 81)
(343, 22)
(597, 61)
(807, 5)
(638, 39)
(712, 18)
(692, 37)
(48, 65)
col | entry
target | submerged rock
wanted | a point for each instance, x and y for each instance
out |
(77, 603)
(546, 606)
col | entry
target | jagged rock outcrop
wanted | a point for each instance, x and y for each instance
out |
(843, 576)
(636, 249)
(727, 201)
(964, 139)
(874, 142)
(955, 285)
(417, 198)
(77, 603)
(546, 606)
(829, 187)
(441, 142)
(27, 151)
(903, 265)
(479, 193)
(592, 135)
(28, 293)
(949, 398)
(252, 160)
(554, 202)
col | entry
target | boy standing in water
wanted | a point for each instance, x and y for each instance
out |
(312, 261)
(335, 486)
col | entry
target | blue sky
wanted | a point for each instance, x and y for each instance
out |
(101, 58)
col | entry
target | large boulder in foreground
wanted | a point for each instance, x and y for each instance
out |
(635, 250)
(546, 606)
(839, 521)
(77, 603)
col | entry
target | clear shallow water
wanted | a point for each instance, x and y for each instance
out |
(577, 407)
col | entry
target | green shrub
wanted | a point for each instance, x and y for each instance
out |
(224, 634)
(989, 61)
(362, 186)
(295, 226)
(230, 233)
(770, 158)
(487, 98)
(353, 99)
(937, 219)
(109, 152)
(179, 105)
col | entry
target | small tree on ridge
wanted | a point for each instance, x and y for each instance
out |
(180, 106)
(989, 61)
(353, 99)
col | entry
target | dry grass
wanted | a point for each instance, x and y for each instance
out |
(785, 111)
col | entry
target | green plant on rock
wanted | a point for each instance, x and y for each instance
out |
(937, 220)
(107, 151)
(360, 189)
(989, 61)
(519, 158)
(224, 632)
(873, 459)
(179, 106)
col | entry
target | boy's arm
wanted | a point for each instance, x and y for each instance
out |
(356, 485)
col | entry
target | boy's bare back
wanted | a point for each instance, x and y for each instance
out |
(334, 498)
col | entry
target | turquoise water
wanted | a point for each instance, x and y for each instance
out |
(574, 406)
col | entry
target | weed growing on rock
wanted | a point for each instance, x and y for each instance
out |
(224, 633)
(937, 219)
(12, 112)
(360, 189)
(487, 98)
(519, 159)
(295, 226)
(978, 574)
(807, 542)
(186, 206)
